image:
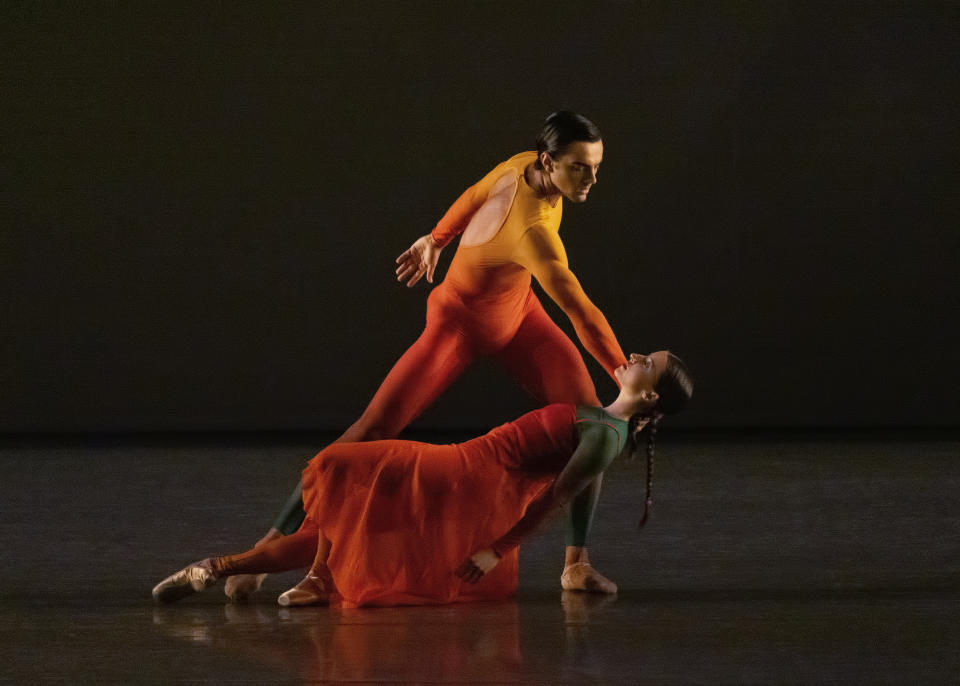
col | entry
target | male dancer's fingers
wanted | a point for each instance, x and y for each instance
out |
(415, 278)
(408, 263)
(404, 272)
(410, 272)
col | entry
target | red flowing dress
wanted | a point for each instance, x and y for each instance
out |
(403, 515)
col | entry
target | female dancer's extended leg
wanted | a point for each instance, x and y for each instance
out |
(295, 551)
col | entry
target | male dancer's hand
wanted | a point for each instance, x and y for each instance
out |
(478, 565)
(419, 259)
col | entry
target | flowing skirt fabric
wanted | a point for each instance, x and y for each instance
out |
(403, 515)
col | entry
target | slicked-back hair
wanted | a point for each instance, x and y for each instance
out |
(560, 130)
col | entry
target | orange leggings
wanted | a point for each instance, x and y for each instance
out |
(514, 330)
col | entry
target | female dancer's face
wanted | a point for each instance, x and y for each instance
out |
(641, 372)
(575, 171)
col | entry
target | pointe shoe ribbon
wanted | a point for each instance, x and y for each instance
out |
(189, 580)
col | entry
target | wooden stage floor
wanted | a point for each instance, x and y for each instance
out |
(793, 559)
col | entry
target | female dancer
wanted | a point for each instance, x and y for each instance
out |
(485, 307)
(398, 522)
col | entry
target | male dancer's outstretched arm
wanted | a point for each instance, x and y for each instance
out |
(421, 258)
(542, 253)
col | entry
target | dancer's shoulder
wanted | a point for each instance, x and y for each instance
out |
(553, 415)
(596, 420)
(521, 160)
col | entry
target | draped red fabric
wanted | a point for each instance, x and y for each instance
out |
(403, 515)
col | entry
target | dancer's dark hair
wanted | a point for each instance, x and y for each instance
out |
(560, 130)
(674, 388)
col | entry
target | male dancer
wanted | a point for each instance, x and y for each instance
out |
(485, 307)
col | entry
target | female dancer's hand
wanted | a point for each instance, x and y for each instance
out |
(417, 260)
(477, 565)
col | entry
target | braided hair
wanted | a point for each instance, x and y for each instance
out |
(674, 388)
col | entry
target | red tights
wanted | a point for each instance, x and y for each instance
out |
(514, 330)
(295, 551)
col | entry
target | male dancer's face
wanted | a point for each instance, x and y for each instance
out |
(575, 171)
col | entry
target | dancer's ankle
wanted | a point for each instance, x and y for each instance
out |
(218, 566)
(575, 555)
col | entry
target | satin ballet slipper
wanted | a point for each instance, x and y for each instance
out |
(189, 580)
(580, 576)
(312, 590)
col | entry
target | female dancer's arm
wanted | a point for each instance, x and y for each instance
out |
(542, 254)
(599, 444)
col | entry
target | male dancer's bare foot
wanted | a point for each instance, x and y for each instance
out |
(240, 587)
(580, 576)
(315, 589)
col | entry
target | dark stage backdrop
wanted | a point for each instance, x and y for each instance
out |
(201, 207)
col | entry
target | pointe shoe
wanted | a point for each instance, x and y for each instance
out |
(311, 591)
(240, 587)
(189, 580)
(580, 576)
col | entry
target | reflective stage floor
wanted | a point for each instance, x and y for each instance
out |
(794, 560)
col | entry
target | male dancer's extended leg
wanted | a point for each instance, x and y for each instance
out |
(422, 373)
(549, 366)
(426, 370)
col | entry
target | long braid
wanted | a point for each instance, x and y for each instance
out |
(651, 430)
(652, 424)
(674, 388)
